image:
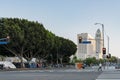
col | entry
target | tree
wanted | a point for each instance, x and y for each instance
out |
(74, 59)
(25, 36)
(113, 59)
(30, 39)
(90, 61)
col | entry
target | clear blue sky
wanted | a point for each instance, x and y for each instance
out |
(67, 18)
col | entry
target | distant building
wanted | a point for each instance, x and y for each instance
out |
(99, 44)
(88, 46)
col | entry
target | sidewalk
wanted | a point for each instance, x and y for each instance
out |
(87, 69)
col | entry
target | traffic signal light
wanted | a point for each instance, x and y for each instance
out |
(109, 55)
(80, 39)
(104, 50)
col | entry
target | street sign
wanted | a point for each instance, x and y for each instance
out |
(86, 42)
(3, 42)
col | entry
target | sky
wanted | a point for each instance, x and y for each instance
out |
(67, 18)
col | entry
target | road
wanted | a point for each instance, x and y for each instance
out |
(49, 75)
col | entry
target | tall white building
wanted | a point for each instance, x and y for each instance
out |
(99, 44)
(88, 46)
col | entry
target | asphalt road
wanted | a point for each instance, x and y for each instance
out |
(36, 75)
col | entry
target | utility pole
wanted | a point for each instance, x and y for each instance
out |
(103, 34)
(108, 44)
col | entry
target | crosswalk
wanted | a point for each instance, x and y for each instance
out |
(109, 75)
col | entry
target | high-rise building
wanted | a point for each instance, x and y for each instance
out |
(99, 42)
(88, 46)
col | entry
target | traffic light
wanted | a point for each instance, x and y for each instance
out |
(109, 55)
(104, 50)
(80, 39)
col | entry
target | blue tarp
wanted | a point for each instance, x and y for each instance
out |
(3, 42)
(33, 65)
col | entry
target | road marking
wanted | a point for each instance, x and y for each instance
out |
(107, 79)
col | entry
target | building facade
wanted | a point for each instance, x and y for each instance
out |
(88, 46)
